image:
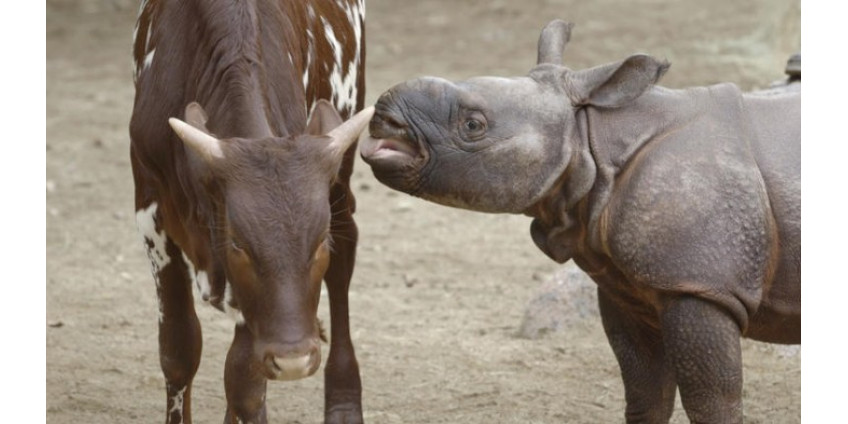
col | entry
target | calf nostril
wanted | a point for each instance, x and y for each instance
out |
(282, 364)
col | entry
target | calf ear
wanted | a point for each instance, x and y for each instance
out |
(346, 134)
(324, 118)
(616, 84)
(339, 136)
(196, 116)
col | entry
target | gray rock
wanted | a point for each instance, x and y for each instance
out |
(567, 297)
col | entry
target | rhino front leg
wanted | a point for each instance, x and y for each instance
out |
(702, 342)
(649, 385)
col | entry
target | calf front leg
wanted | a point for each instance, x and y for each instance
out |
(702, 342)
(342, 384)
(179, 329)
(244, 382)
(649, 385)
(180, 341)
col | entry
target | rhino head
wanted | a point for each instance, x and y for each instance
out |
(495, 144)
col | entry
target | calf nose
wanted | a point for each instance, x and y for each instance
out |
(292, 362)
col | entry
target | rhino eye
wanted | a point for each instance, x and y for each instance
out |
(473, 128)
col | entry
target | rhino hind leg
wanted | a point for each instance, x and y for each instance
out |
(702, 342)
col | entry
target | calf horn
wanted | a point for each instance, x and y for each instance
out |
(552, 42)
(204, 144)
(348, 133)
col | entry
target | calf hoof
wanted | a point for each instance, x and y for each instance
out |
(344, 414)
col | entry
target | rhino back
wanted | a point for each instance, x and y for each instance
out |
(690, 214)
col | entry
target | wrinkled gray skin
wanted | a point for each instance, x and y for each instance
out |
(684, 206)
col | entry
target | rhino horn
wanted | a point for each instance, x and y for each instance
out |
(552, 42)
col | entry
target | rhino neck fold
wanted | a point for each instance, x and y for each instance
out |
(558, 214)
(607, 141)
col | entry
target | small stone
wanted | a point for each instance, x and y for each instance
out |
(402, 206)
(409, 281)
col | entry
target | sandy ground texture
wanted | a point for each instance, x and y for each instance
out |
(438, 294)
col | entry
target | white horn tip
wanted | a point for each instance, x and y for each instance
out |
(203, 143)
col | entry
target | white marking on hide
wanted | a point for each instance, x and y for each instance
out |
(148, 60)
(137, 67)
(199, 282)
(190, 265)
(203, 287)
(344, 85)
(154, 240)
(154, 243)
(310, 41)
(203, 291)
(177, 399)
(138, 15)
(232, 312)
(147, 38)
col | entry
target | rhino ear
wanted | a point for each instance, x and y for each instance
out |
(616, 84)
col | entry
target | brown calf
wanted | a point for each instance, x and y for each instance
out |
(247, 202)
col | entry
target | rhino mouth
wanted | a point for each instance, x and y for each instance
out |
(386, 148)
(389, 141)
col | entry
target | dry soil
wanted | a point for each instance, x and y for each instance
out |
(438, 293)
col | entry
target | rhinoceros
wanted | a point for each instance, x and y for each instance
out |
(683, 205)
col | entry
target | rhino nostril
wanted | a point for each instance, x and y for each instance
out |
(385, 124)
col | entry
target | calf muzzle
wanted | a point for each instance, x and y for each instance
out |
(291, 361)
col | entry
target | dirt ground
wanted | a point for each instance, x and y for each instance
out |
(438, 294)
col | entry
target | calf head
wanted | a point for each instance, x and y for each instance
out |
(496, 144)
(270, 227)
